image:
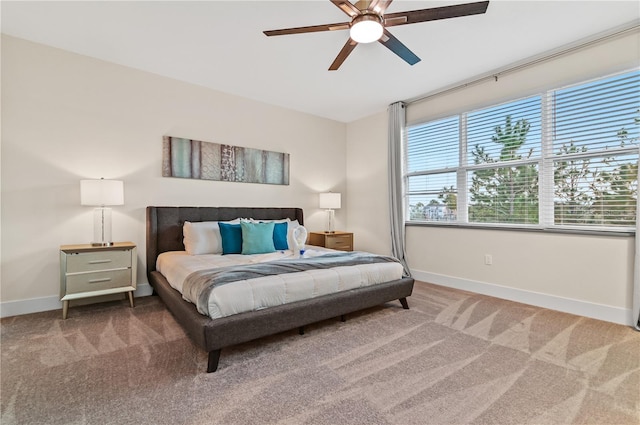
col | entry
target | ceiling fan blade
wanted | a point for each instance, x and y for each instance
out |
(347, 7)
(396, 46)
(435, 13)
(379, 6)
(313, 28)
(346, 50)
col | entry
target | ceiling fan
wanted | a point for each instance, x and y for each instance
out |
(369, 23)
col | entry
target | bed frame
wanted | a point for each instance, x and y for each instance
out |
(164, 233)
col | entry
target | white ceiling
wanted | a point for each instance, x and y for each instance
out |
(220, 44)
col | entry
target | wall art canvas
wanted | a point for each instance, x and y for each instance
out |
(195, 159)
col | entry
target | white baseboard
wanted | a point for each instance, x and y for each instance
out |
(568, 305)
(36, 305)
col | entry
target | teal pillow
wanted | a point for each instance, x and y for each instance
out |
(231, 238)
(257, 238)
(280, 236)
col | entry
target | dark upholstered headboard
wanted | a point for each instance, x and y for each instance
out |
(164, 224)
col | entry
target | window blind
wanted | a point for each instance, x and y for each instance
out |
(596, 132)
(565, 158)
(432, 160)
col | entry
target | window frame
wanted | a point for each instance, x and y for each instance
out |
(546, 168)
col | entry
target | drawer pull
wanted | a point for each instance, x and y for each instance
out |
(104, 279)
(99, 261)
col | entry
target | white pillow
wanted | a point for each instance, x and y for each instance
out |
(203, 237)
(282, 220)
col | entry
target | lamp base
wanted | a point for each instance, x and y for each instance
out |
(102, 227)
(330, 220)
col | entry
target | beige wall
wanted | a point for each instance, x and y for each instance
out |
(589, 275)
(616, 55)
(67, 117)
(367, 184)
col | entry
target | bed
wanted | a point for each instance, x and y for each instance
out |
(165, 235)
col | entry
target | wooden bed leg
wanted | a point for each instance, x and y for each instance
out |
(301, 330)
(342, 318)
(404, 303)
(214, 357)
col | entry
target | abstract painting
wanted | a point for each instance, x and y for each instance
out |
(194, 159)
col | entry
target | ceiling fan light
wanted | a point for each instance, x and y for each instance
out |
(366, 29)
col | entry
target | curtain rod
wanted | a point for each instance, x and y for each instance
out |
(597, 39)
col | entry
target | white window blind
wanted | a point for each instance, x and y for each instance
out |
(432, 161)
(596, 131)
(504, 144)
(565, 158)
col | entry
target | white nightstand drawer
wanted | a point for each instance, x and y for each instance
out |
(97, 281)
(102, 260)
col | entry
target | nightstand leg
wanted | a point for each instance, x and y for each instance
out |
(65, 309)
(130, 298)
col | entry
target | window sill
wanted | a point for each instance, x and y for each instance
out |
(522, 228)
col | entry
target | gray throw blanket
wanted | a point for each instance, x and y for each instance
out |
(198, 285)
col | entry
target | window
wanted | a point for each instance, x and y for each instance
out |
(566, 158)
(431, 182)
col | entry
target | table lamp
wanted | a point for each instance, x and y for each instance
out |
(330, 201)
(101, 194)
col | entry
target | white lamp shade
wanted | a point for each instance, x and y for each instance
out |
(329, 201)
(101, 192)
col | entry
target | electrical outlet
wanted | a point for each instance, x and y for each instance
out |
(488, 259)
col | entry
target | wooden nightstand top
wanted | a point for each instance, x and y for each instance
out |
(87, 247)
(337, 232)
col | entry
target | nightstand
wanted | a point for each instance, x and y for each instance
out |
(342, 241)
(91, 271)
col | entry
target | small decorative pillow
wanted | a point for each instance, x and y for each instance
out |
(280, 231)
(257, 238)
(231, 238)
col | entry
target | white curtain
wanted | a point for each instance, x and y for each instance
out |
(636, 268)
(396, 202)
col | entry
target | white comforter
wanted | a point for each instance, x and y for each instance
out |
(270, 291)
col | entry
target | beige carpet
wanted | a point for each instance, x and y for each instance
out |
(453, 358)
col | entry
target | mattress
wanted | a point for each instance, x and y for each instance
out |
(263, 292)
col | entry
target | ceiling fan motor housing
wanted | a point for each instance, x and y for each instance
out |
(367, 27)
